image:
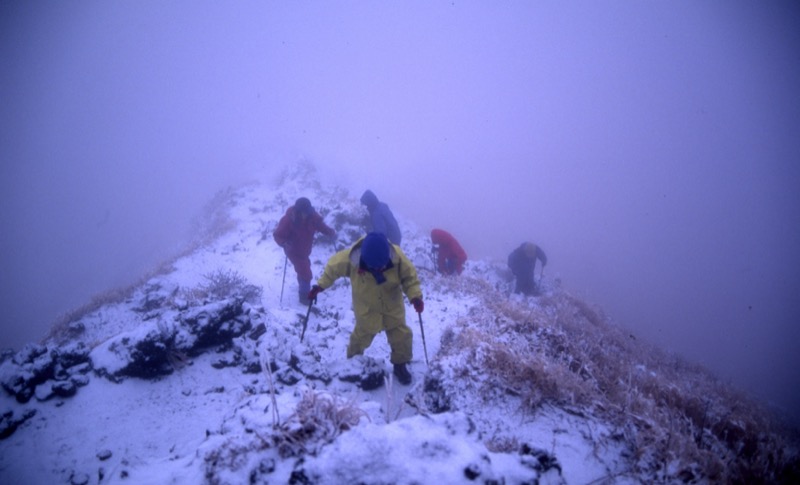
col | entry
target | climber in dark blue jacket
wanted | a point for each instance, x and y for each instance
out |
(381, 217)
(522, 262)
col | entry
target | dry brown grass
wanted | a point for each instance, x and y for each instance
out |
(318, 419)
(221, 284)
(565, 352)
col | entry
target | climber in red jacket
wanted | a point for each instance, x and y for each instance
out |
(448, 254)
(295, 234)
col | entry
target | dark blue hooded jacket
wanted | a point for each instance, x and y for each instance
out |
(522, 262)
(381, 216)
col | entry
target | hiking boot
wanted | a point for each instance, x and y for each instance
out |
(402, 374)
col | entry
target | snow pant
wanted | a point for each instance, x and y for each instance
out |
(525, 283)
(398, 334)
(525, 286)
(302, 266)
(448, 266)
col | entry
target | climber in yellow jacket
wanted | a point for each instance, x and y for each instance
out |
(380, 273)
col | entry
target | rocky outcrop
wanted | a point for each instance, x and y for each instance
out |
(160, 347)
(46, 372)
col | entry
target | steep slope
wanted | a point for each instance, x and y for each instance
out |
(198, 375)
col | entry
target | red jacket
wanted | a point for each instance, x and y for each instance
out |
(295, 235)
(451, 257)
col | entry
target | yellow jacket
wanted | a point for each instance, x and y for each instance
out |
(368, 296)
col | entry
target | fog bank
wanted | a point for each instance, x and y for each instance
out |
(650, 149)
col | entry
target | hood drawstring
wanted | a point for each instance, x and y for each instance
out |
(376, 273)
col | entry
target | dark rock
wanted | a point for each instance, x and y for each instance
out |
(368, 376)
(75, 329)
(25, 394)
(372, 379)
(79, 479)
(80, 369)
(538, 459)
(30, 367)
(472, 471)
(51, 389)
(29, 353)
(80, 380)
(6, 354)
(436, 398)
(72, 355)
(265, 467)
(298, 477)
(288, 376)
(686, 475)
(153, 299)
(16, 383)
(148, 358)
(231, 359)
(9, 423)
(260, 330)
(216, 323)
(64, 388)
(104, 455)
(69, 360)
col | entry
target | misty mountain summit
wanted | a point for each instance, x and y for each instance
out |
(199, 375)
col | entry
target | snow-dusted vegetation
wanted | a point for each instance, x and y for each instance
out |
(197, 375)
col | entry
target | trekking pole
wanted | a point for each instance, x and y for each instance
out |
(305, 322)
(283, 282)
(422, 331)
(537, 287)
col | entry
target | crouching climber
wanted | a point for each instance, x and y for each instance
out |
(379, 274)
(447, 252)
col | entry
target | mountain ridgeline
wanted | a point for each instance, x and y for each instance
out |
(500, 367)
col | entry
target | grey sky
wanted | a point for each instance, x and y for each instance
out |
(651, 148)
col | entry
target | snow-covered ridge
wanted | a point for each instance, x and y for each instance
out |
(198, 376)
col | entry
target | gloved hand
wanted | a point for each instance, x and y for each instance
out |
(312, 295)
(418, 304)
